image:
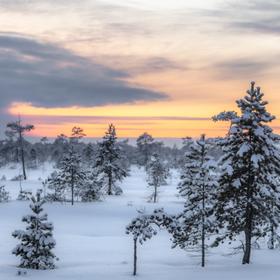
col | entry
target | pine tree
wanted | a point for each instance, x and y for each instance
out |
(70, 174)
(249, 165)
(19, 129)
(198, 185)
(77, 134)
(157, 175)
(142, 228)
(36, 242)
(108, 161)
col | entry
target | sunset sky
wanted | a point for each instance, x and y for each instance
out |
(161, 66)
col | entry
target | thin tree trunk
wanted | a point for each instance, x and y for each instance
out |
(272, 232)
(155, 194)
(72, 194)
(72, 188)
(203, 233)
(248, 236)
(146, 158)
(110, 183)
(135, 257)
(249, 213)
(247, 252)
(22, 156)
(203, 209)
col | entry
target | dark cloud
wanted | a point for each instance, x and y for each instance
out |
(157, 64)
(256, 15)
(247, 16)
(268, 26)
(242, 68)
(143, 65)
(50, 76)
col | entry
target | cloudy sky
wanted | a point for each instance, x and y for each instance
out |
(161, 66)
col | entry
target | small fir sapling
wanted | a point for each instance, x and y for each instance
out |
(36, 242)
(157, 174)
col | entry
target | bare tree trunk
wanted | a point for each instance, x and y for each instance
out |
(203, 232)
(146, 158)
(247, 253)
(110, 183)
(249, 213)
(72, 188)
(203, 210)
(248, 236)
(72, 194)
(272, 232)
(135, 257)
(155, 194)
(22, 156)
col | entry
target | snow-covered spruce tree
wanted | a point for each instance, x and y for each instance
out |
(4, 195)
(198, 185)
(250, 163)
(36, 242)
(108, 161)
(157, 175)
(70, 173)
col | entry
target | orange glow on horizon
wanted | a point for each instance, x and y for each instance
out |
(129, 120)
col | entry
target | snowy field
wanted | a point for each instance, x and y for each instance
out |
(92, 244)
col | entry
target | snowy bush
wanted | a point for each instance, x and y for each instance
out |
(24, 195)
(90, 190)
(118, 190)
(17, 178)
(56, 186)
(4, 195)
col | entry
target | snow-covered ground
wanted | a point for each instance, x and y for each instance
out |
(92, 244)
